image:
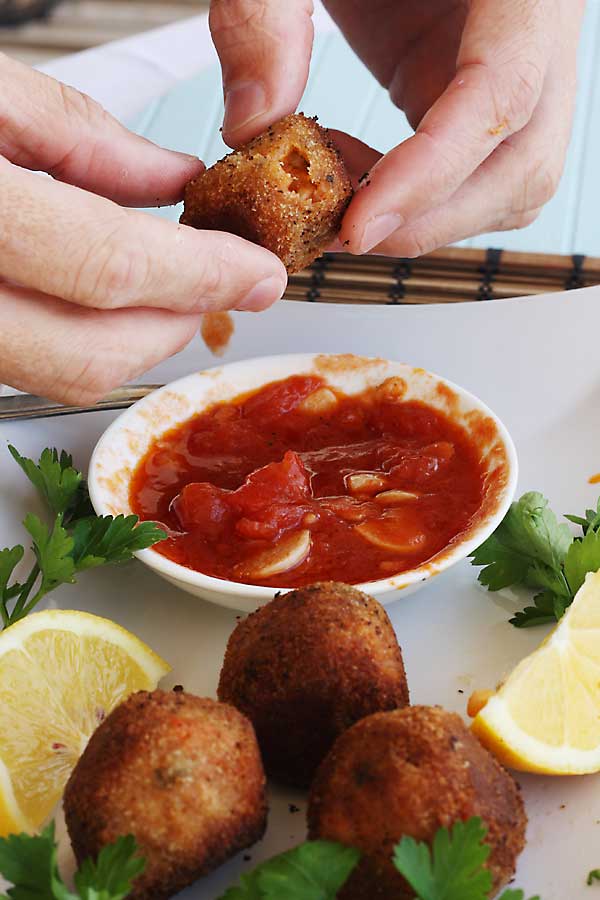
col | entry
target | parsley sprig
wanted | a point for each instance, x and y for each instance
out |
(532, 549)
(315, 870)
(75, 540)
(452, 869)
(30, 864)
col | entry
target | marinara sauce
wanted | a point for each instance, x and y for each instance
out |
(298, 483)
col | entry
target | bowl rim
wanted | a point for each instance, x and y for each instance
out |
(249, 592)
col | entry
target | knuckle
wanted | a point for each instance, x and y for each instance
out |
(87, 379)
(112, 273)
(416, 243)
(212, 285)
(230, 19)
(513, 89)
(523, 219)
(522, 94)
(542, 183)
(238, 22)
(80, 106)
(517, 220)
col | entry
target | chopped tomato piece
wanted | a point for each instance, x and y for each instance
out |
(203, 506)
(280, 398)
(287, 481)
(270, 523)
(351, 510)
(419, 467)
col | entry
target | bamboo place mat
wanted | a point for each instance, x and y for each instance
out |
(450, 275)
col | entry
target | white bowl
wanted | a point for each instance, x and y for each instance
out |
(125, 441)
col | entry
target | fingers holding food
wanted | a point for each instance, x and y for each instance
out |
(410, 772)
(286, 190)
(106, 257)
(180, 773)
(308, 665)
(51, 127)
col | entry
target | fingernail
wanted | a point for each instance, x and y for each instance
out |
(262, 294)
(377, 229)
(244, 101)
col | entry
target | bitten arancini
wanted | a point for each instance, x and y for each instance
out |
(308, 665)
(286, 190)
(182, 774)
(411, 772)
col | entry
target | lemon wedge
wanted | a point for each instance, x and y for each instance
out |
(546, 716)
(61, 673)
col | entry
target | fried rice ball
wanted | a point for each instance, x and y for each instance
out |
(182, 774)
(286, 190)
(411, 772)
(308, 665)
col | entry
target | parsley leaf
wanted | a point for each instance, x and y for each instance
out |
(315, 870)
(591, 520)
(583, 557)
(548, 608)
(52, 548)
(531, 529)
(594, 875)
(76, 540)
(110, 877)
(101, 539)
(532, 549)
(453, 868)
(29, 862)
(10, 557)
(54, 477)
(503, 567)
(528, 544)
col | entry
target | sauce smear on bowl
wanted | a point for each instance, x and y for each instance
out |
(297, 483)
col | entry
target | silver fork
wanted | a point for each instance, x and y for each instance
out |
(28, 406)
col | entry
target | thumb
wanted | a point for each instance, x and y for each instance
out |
(264, 47)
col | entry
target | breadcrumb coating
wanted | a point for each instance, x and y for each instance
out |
(308, 665)
(411, 772)
(286, 190)
(182, 774)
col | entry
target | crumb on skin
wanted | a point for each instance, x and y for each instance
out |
(182, 774)
(305, 667)
(499, 128)
(411, 772)
(286, 190)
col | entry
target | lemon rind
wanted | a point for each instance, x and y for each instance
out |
(12, 820)
(525, 752)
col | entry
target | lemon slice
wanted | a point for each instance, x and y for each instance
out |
(61, 673)
(546, 716)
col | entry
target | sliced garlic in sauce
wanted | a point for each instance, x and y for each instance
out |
(285, 555)
(389, 534)
(365, 483)
(388, 498)
(320, 401)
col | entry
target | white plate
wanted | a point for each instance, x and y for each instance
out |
(536, 363)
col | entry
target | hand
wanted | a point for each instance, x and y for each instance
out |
(92, 294)
(489, 86)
